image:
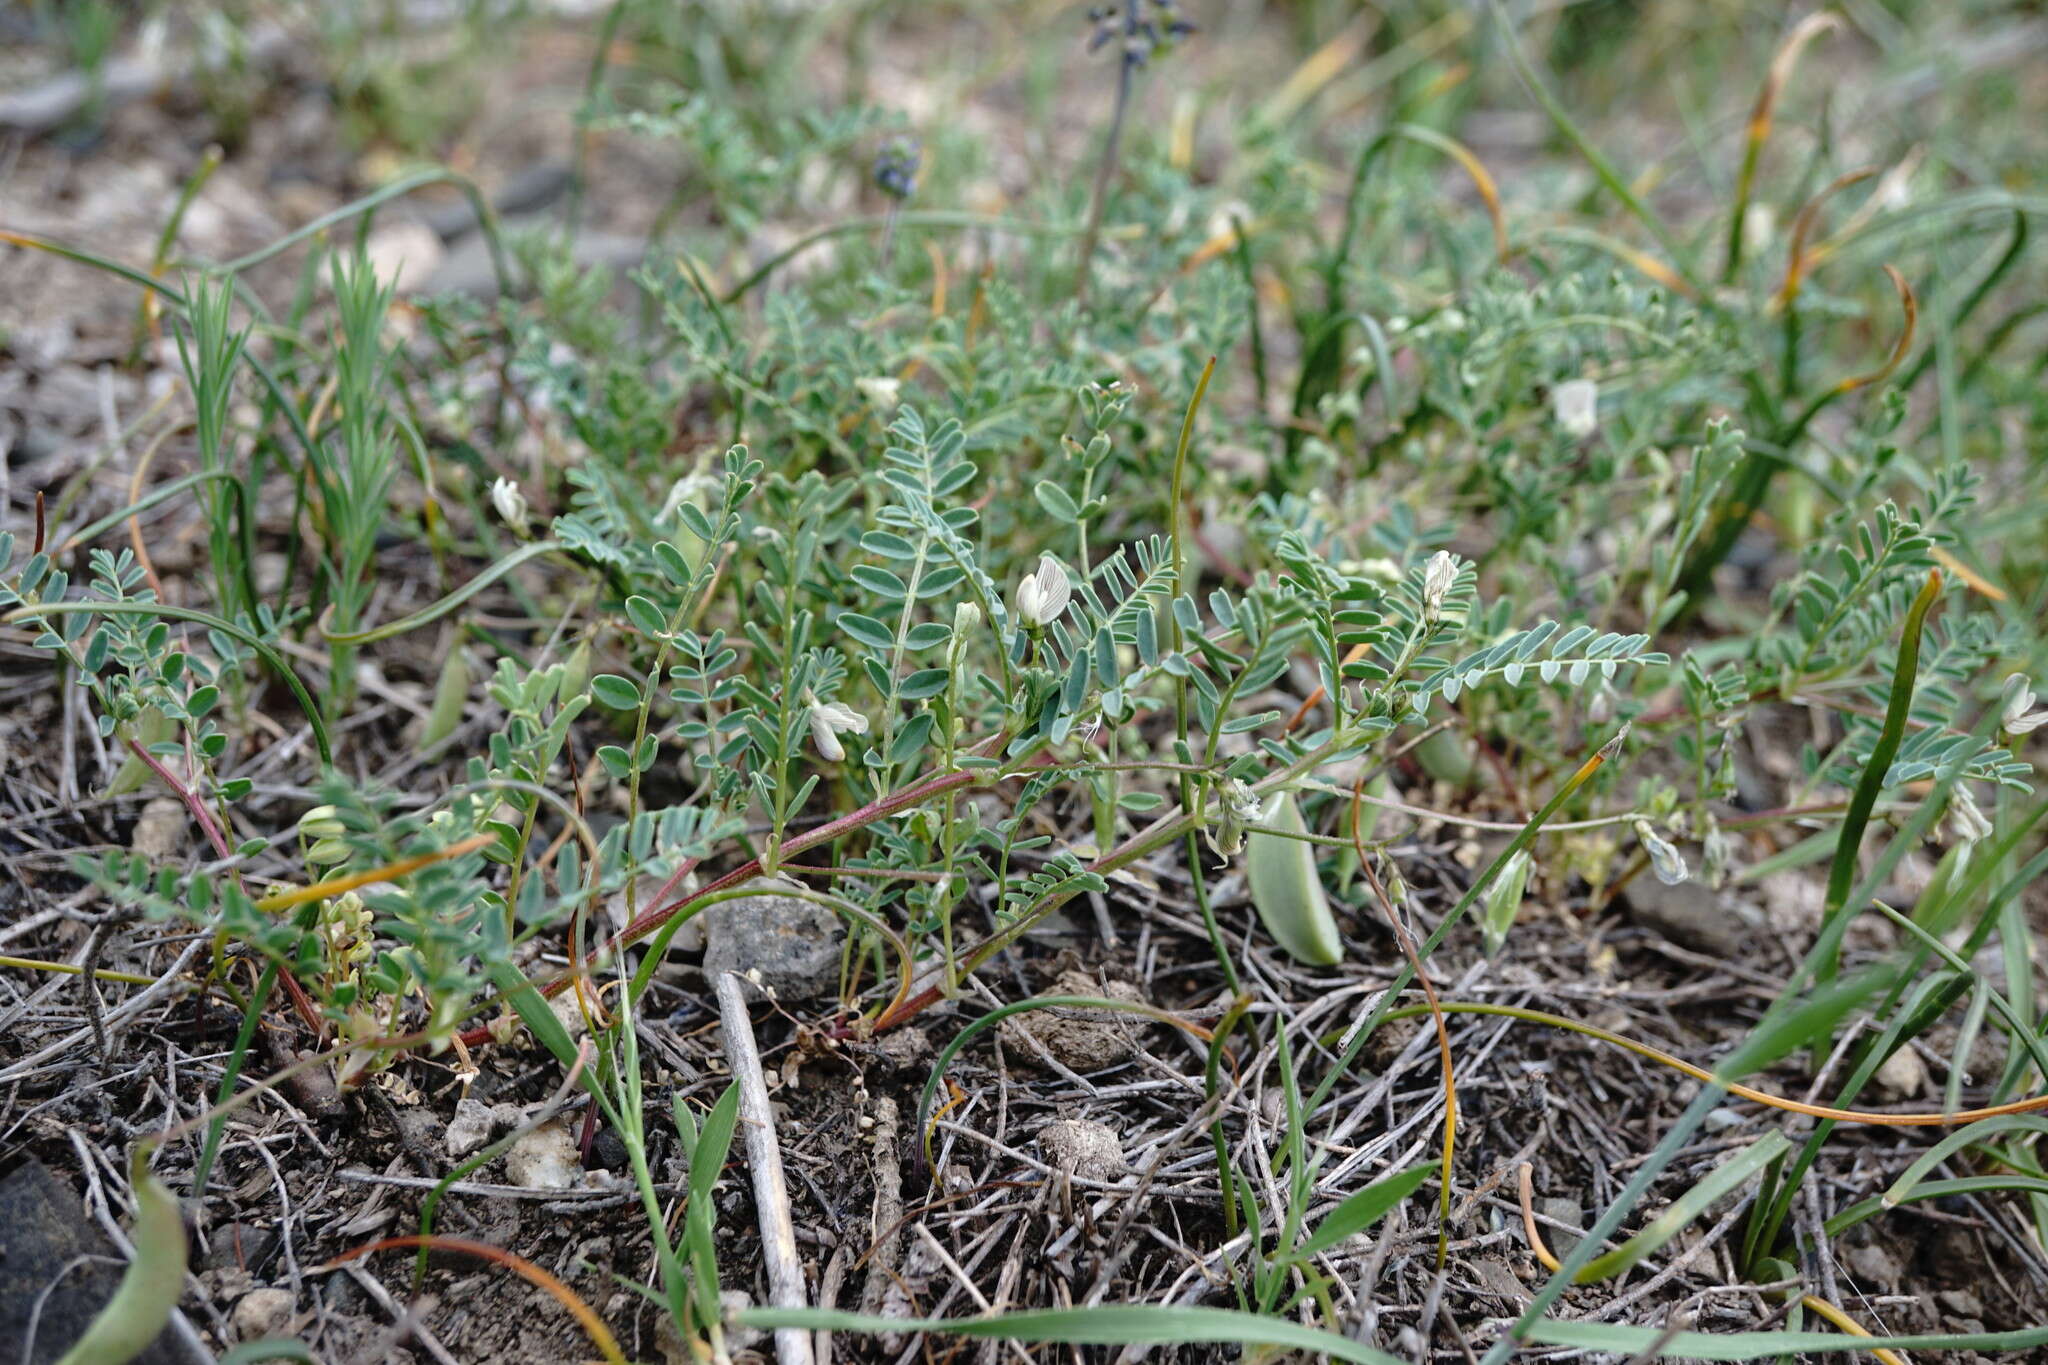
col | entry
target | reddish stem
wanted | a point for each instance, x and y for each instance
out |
(215, 836)
(651, 920)
(184, 793)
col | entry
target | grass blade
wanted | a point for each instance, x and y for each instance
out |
(1107, 1325)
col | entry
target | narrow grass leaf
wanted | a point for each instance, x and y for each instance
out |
(1107, 1325)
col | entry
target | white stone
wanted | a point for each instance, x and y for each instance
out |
(545, 1159)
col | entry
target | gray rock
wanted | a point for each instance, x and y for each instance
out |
(263, 1313)
(793, 944)
(1083, 1147)
(45, 1229)
(1874, 1265)
(1566, 1211)
(468, 268)
(1692, 916)
(533, 188)
(545, 1159)
(1080, 1040)
(476, 1123)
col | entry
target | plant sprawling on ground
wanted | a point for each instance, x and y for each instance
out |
(1210, 520)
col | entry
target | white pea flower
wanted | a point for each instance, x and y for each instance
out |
(1043, 595)
(829, 720)
(2019, 716)
(511, 504)
(1576, 405)
(1241, 807)
(1665, 860)
(1966, 820)
(966, 619)
(880, 392)
(1438, 577)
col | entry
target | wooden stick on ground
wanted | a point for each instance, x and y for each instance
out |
(764, 1159)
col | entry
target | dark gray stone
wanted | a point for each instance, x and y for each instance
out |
(43, 1230)
(792, 943)
(1692, 916)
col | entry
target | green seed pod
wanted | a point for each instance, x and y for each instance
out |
(1504, 900)
(1286, 891)
(451, 698)
(1448, 757)
(576, 671)
(150, 726)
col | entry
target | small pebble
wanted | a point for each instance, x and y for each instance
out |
(545, 1159)
(263, 1313)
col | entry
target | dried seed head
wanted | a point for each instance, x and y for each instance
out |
(896, 167)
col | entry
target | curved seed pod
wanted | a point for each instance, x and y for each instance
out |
(1503, 900)
(150, 727)
(451, 699)
(1448, 757)
(576, 671)
(150, 1286)
(1286, 892)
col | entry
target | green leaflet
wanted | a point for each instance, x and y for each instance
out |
(1285, 889)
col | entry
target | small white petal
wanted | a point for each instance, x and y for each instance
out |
(1042, 596)
(881, 393)
(2017, 702)
(827, 740)
(1966, 818)
(510, 502)
(828, 720)
(1665, 861)
(1439, 576)
(1576, 405)
(844, 717)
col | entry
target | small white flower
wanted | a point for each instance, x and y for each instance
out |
(1043, 595)
(880, 392)
(1966, 820)
(1241, 807)
(1576, 406)
(511, 504)
(2018, 714)
(1242, 801)
(966, 619)
(1759, 226)
(829, 720)
(1665, 860)
(1438, 577)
